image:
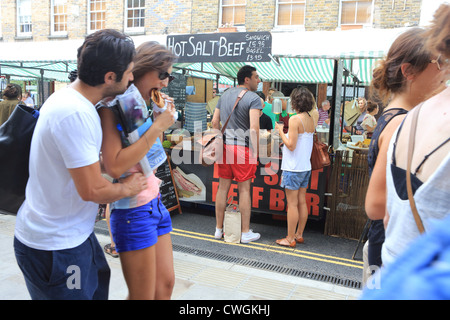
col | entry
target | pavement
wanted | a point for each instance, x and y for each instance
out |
(197, 278)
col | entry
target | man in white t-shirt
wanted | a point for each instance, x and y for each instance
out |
(55, 245)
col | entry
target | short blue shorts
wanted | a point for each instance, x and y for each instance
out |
(295, 180)
(139, 228)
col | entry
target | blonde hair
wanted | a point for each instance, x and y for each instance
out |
(438, 36)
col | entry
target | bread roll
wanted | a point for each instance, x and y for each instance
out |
(157, 98)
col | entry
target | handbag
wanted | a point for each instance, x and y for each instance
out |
(15, 142)
(412, 203)
(232, 223)
(319, 155)
(211, 143)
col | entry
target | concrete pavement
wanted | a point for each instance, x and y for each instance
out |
(197, 278)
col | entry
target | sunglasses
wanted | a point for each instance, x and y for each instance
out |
(165, 75)
(440, 63)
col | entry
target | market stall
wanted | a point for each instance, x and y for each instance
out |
(197, 183)
(314, 57)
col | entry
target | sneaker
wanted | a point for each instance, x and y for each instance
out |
(249, 236)
(218, 234)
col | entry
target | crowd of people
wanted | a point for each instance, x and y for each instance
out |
(75, 147)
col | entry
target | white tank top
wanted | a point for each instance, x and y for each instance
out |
(300, 159)
(432, 200)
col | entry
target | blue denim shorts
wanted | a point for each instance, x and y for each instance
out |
(139, 228)
(295, 180)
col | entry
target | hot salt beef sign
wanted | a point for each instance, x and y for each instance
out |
(222, 47)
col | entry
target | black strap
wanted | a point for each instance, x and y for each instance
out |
(428, 155)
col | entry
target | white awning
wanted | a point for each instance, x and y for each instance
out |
(305, 56)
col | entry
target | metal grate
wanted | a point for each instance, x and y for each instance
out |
(348, 283)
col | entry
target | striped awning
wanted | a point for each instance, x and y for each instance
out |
(287, 69)
(304, 56)
(204, 71)
(31, 70)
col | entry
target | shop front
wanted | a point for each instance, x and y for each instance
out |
(198, 184)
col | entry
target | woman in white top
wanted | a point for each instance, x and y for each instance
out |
(430, 166)
(296, 164)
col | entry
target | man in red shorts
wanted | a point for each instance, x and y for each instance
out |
(240, 148)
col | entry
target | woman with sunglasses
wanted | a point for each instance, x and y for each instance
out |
(141, 231)
(404, 79)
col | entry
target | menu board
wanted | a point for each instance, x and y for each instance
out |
(222, 47)
(169, 195)
(177, 90)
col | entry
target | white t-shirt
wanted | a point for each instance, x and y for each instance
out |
(68, 135)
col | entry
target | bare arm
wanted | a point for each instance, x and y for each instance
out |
(215, 122)
(118, 160)
(254, 130)
(291, 141)
(375, 204)
(92, 186)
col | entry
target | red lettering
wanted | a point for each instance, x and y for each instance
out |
(216, 171)
(271, 171)
(215, 186)
(313, 201)
(233, 192)
(314, 184)
(276, 201)
(256, 196)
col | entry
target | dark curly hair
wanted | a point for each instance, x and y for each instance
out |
(302, 100)
(245, 72)
(102, 52)
(12, 91)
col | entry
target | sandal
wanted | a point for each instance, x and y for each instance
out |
(111, 250)
(299, 239)
(285, 243)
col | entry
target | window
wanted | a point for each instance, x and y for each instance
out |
(24, 26)
(135, 15)
(290, 12)
(96, 15)
(356, 12)
(0, 22)
(233, 12)
(59, 17)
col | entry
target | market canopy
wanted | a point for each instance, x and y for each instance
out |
(306, 56)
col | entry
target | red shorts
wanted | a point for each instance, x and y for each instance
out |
(238, 163)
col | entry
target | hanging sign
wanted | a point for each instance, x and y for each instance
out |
(222, 47)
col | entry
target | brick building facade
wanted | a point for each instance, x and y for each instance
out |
(192, 16)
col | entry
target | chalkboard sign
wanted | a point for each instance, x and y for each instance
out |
(177, 90)
(222, 47)
(169, 195)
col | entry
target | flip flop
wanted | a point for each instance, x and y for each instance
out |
(111, 250)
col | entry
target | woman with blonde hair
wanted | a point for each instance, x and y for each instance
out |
(141, 226)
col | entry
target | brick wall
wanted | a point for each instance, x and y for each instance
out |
(400, 15)
(200, 16)
(205, 16)
(316, 18)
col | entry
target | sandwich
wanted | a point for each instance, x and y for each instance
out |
(186, 186)
(157, 98)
